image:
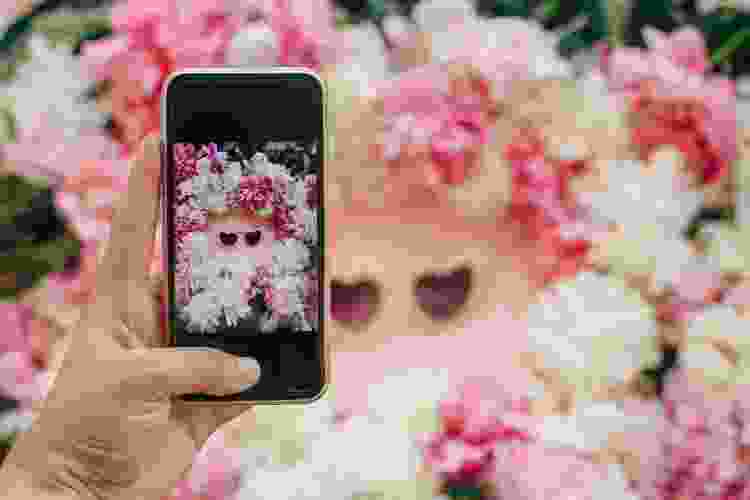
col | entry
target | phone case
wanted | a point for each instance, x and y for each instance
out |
(246, 239)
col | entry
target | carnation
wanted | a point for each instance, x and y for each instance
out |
(668, 81)
(697, 443)
(592, 353)
(57, 102)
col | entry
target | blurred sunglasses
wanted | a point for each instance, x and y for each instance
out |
(252, 238)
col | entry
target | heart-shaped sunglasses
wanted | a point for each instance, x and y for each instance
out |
(252, 238)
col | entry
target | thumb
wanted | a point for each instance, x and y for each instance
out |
(188, 370)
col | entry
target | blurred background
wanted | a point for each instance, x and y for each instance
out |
(80, 84)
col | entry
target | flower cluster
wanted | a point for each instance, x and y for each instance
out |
(151, 40)
(593, 354)
(288, 33)
(544, 204)
(675, 102)
(437, 120)
(699, 447)
(473, 424)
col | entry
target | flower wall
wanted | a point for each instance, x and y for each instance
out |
(538, 251)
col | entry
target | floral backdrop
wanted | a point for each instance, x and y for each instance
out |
(538, 235)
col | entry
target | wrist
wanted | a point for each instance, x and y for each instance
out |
(32, 472)
(20, 484)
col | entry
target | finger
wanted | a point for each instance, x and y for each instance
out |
(163, 372)
(134, 224)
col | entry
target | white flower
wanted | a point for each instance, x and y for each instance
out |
(15, 421)
(198, 244)
(440, 15)
(614, 486)
(297, 193)
(289, 256)
(592, 327)
(366, 67)
(232, 175)
(634, 198)
(57, 101)
(263, 167)
(256, 44)
(308, 219)
(402, 393)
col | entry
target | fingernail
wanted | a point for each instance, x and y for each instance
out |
(203, 349)
(251, 368)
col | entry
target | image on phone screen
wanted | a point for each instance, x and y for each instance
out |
(244, 230)
(246, 237)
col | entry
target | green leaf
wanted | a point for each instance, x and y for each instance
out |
(68, 29)
(14, 33)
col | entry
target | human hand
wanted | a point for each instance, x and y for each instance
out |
(109, 428)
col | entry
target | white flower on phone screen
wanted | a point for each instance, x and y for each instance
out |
(232, 175)
(289, 256)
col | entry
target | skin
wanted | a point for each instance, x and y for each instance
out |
(109, 428)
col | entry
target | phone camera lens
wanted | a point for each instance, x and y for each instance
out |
(253, 238)
(228, 239)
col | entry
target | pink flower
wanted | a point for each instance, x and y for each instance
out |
(685, 47)
(215, 474)
(698, 286)
(255, 193)
(423, 109)
(45, 150)
(739, 295)
(306, 33)
(696, 455)
(16, 357)
(186, 164)
(216, 471)
(151, 40)
(283, 223)
(675, 68)
(472, 423)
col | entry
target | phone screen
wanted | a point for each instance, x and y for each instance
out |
(243, 210)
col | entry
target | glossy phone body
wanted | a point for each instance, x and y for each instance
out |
(250, 274)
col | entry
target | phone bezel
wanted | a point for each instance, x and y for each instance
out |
(164, 141)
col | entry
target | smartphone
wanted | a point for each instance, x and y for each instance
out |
(242, 209)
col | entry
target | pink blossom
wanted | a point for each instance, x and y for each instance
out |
(696, 456)
(698, 285)
(306, 32)
(48, 151)
(255, 193)
(283, 223)
(739, 295)
(188, 219)
(215, 475)
(472, 423)
(151, 40)
(685, 47)
(216, 470)
(186, 164)
(16, 358)
(423, 110)
(675, 66)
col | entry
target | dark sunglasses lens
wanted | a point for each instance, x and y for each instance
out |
(253, 238)
(228, 239)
